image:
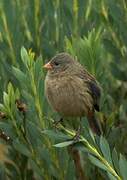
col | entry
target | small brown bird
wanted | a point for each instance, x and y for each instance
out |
(71, 90)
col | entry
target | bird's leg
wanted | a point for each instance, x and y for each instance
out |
(55, 123)
(77, 135)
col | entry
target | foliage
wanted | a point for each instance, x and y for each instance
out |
(92, 31)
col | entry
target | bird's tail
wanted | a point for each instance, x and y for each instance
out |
(94, 124)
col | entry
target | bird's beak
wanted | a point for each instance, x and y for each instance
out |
(47, 66)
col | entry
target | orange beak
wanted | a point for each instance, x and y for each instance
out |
(47, 66)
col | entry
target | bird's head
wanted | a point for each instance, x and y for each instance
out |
(59, 63)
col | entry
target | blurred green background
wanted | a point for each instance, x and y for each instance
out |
(93, 31)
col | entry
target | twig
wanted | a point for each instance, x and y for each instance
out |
(77, 162)
(93, 151)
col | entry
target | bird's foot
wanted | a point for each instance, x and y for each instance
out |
(56, 123)
(76, 138)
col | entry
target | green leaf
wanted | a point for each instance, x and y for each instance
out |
(3, 108)
(97, 162)
(7, 128)
(110, 47)
(17, 94)
(40, 89)
(64, 144)
(21, 148)
(11, 96)
(38, 69)
(44, 155)
(115, 159)
(111, 176)
(70, 172)
(25, 57)
(19, 75)
(81, 147)
(2, 171)
(118, 72)
(56, 135)
(36, 168)
(10, 89)
(123, 167)
(105, 149)
(115, 11)
(92, 135)
(6, 101)
(34, 133)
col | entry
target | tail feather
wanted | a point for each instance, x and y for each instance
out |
(94, 124)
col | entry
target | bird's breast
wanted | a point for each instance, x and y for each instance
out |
(68, 96)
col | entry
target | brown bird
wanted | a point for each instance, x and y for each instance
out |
(71, 90)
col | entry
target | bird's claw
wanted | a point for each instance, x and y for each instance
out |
(56, 123)
(76, 138)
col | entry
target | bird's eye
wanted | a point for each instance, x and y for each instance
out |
(56, 63)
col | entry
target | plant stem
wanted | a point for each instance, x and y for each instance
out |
(37, 102)
(94, 151)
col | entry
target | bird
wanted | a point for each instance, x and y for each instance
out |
(71, 90)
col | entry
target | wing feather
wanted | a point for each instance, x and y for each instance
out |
(93, 85)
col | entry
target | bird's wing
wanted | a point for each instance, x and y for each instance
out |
(93, 85)
(95, 92)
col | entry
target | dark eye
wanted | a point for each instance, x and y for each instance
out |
(56, 63)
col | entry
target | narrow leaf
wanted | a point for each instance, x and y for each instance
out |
(105, 149)
(115, 159)
(25, 57)
(21, 148)
(19, 74)
(56, 135)
(123, 167)
(97, 162)
(111, 177)
(64, 144)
